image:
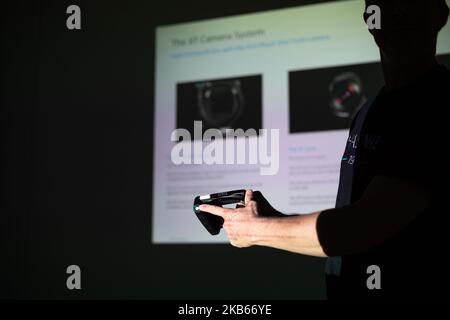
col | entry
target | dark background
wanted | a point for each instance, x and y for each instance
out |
(77, 125)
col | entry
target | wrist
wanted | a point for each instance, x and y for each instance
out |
(264, 230)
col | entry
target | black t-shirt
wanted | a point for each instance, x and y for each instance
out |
(403, 135)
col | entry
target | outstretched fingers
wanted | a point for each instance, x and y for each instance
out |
(215, 210)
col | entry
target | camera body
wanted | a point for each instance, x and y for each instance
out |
(211, 222)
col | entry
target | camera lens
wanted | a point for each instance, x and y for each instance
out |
(220, 103)
(346, 95)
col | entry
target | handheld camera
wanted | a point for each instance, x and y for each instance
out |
(211, 222)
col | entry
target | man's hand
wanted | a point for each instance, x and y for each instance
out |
(256, 222)
(241, 223)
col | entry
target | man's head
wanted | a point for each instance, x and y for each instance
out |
(409, 28)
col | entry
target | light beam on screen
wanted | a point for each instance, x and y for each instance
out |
(304, 71)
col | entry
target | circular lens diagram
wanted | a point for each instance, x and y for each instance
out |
(346, 95)
(220, 103)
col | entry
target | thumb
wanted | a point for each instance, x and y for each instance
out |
(248, 196)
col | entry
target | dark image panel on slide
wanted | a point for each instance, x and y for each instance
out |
(231, 103)
(328, 98)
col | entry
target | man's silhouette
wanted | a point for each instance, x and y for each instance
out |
(389, 205)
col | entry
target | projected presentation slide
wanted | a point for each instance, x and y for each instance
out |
(304, 71)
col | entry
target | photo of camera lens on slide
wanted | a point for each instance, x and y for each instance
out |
(231, 103)
(334, 96)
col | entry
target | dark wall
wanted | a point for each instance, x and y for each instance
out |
(77, 125)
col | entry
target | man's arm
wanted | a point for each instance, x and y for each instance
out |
(247, 226)
(293, 233)
(387, 206)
